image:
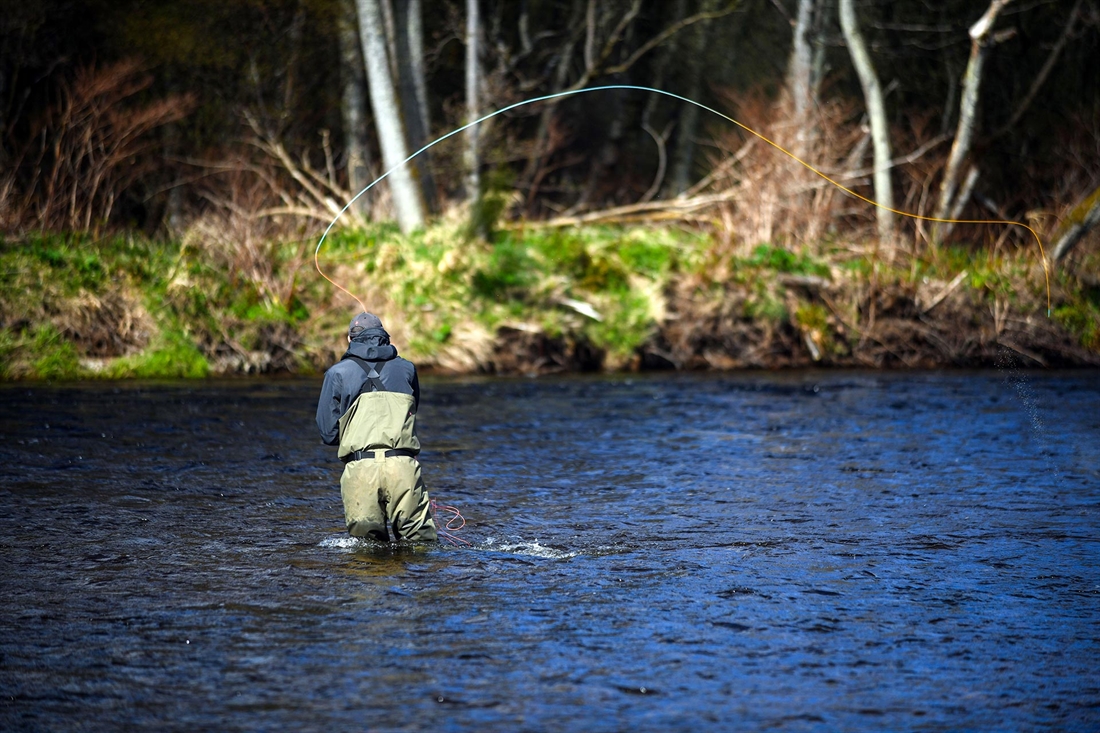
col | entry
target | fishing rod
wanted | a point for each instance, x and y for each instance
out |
(456, 521)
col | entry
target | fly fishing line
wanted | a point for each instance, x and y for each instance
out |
(652, 90)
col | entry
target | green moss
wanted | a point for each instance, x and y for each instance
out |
(859, 266)
(8, 347)
(765, 303)
(813, 319)
(994, 280)
(625, 326)
(170, 355)
(56, 356)
(647, 257)
(1081, 317)
(766, 308)
(492, 202)
(812, 316)
(780, 259)
(508, 271)
(74, 258)
(442, 333)
(603, 258)
(77, 261)
(41, 352)
(358, 241)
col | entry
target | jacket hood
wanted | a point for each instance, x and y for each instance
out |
(371, 351)
(371, 336)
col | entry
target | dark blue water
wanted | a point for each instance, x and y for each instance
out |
(807, 551)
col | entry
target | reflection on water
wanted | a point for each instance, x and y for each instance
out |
(801, 551)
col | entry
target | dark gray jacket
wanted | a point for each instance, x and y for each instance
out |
(346, 379)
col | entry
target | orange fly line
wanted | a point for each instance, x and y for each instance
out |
(746, 128)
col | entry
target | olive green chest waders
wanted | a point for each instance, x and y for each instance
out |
(381, 480)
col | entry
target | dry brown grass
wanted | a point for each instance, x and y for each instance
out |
(775, 198)
(264, 208)
(895, 323)
(91, 144)
(109, 324)
(235, 235)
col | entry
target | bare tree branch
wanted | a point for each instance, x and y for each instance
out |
(668, 33)
(662, 160)
(1081, 220)
(1044, 72)
(894, 162)
(667, 210)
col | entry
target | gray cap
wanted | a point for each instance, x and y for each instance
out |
(362, 322)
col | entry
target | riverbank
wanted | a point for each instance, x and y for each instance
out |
(532, 301)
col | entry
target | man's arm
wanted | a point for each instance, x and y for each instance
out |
(329, 408)
(416, 390)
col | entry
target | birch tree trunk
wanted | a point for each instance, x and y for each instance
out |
(473, 106)
(407, 201)
(413, 94)
(820, 44)
(800, 67)
(968, 115)
(876, 112)
(354, 104)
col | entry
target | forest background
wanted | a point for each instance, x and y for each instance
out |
(167, 170)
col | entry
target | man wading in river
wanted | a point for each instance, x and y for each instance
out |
(368, 407)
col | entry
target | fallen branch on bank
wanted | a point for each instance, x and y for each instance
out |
(668, 210)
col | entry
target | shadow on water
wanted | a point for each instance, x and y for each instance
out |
(796, 551)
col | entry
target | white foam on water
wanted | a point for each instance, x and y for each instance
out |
(531, 548)
(341, 542)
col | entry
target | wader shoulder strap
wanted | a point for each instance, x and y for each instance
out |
(373, 372)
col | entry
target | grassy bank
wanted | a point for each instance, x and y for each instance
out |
(533, 300)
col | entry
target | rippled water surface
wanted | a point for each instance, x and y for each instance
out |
(797, 552)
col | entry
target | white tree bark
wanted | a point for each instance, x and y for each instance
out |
(876, 112)
(473, 105)
(968, 113)
(354, 104)
(413, 90)
(387, 118)
(800, 66)
(821, 25)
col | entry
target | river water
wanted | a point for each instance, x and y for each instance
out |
(802, 551)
